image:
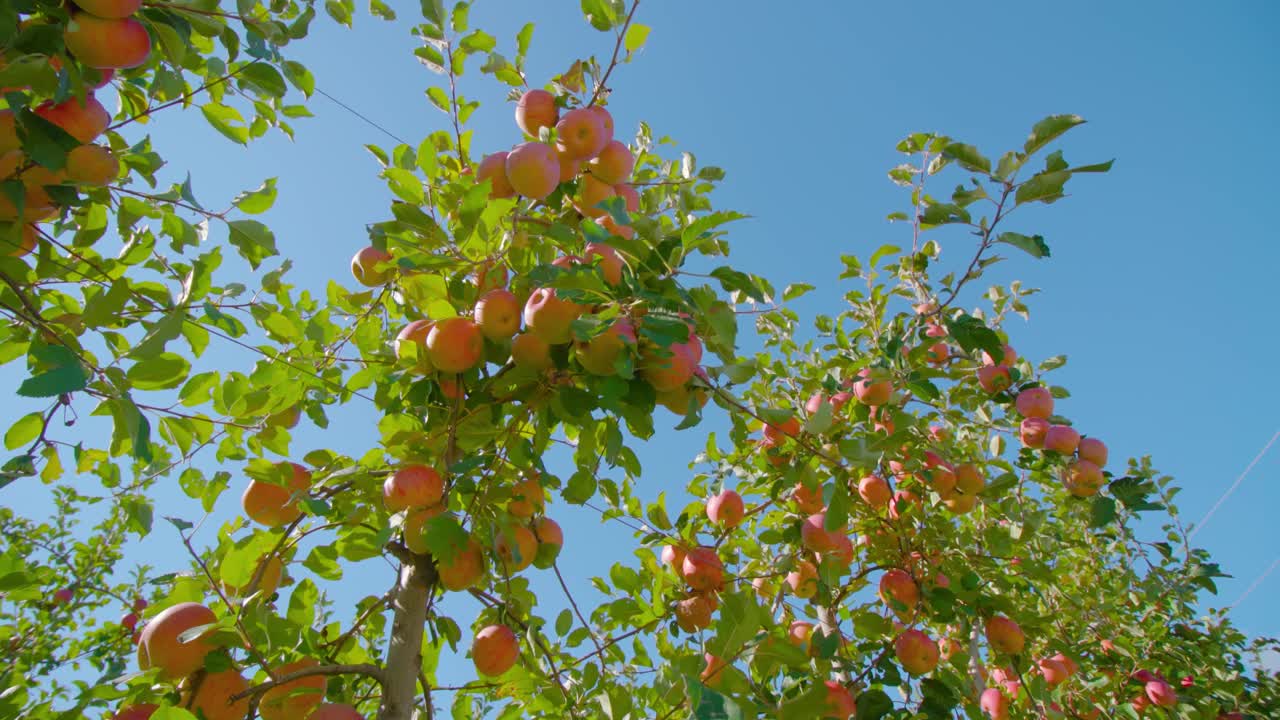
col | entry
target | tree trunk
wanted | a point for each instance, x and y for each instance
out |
(404, 651)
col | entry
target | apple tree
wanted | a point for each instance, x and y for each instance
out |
(900, 521)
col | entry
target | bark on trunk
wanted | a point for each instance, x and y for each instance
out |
(404, 651)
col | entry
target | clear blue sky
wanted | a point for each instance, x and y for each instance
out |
(1159, 286)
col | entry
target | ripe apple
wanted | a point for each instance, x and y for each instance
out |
(606, 121)
(1093, 450)
(1034, 402)
(787, 428)
(1004, 635)
(30, 237)
(211, 696)
(92, 165)
(364, 267)
(898, 588)
(599, 355)
(530, 352)
(610, 262)
(1007, 357)
(581, 133)
(726, 509)
(807, 501)
(63, 596)
(455, 345)
(874, 490)
(412, 486)
(107, 43)
(533, 169)
(1083, 479)
(702, 569)
(415, 521)
(294, 699)
(803, 581)
(839, 702)
(498, 314)
(842, 551)
(969, 479)
(994, 378)
(938, 354)
(1032, 432)
(799, 634)
(84, 122)
(608, 223)
(527, 496)
(713, 674)
(160, 647)
(693, 613)
(1062, 438)
(903, 502)
(1055, 671)
(270, 504)
(550, 541)
(1160, 693)
(569, 165)
(535, 110)
(139, 604)
(464, 568)
(814, 535)
(494, 169)
(614, 163)
(666, 372)
(871, 392)
(995, 704)
(960, 504)
(917, 652)
(629, 195)
(941, 480)
(515, 547)
(549, 317)
(592, 192)
(673, 557)
(495, 650)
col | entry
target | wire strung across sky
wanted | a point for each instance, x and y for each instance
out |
(1233, 487)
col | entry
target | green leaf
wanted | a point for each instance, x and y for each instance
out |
(254, 240)
(968, 157)
(257, 201)
(795, 290)
(63, 373)
(873, 705)
(168, 328)
(24, 431)
(1048, 129)
(1102, 512)
(300, 76)
(580, 488)
(161, 372)
(42, 141)
(433, 11)
(973, 334)
(263, 78)
(635, 37)
(600, 13)
(478, 41)
(226, 120)
(1045, 187)
(1033, 245)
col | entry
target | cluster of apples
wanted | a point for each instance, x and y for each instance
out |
(182, 660)
(1086, 455)
(531, 325)
(103, 37)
